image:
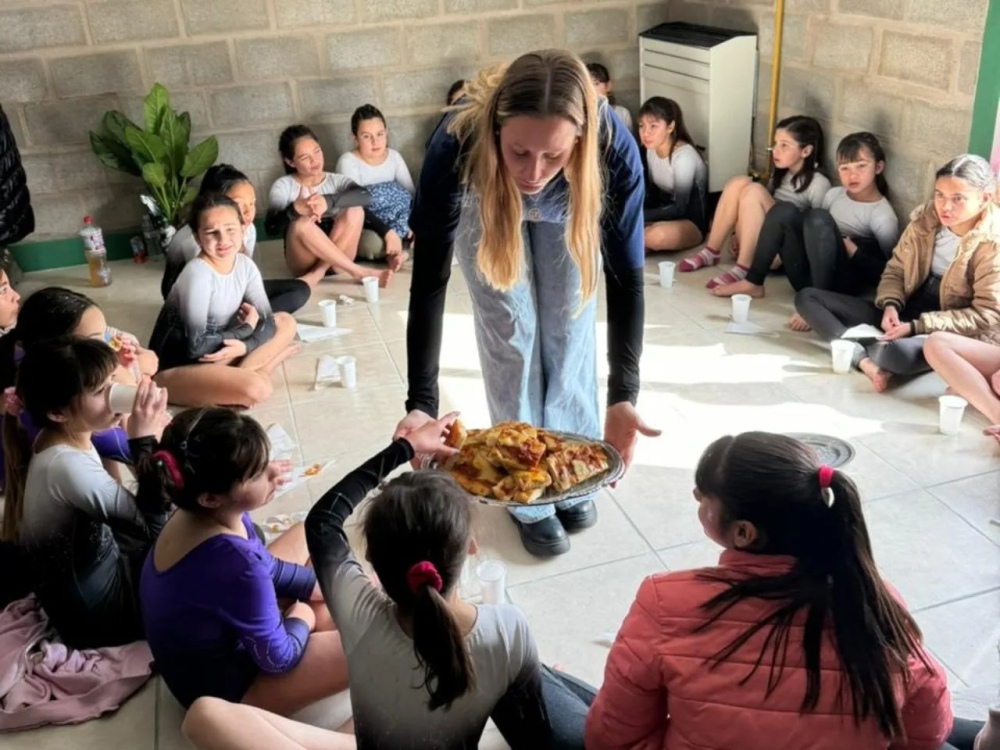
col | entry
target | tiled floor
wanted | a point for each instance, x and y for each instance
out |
(929, 498)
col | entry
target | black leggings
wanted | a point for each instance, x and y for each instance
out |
(832, 313)
(286, 295)
(812, 253)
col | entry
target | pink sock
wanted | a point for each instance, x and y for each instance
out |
(734, 274)
(702, 259)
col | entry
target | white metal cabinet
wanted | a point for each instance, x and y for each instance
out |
(712, 74)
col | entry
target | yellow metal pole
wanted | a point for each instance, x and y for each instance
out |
(772, 114)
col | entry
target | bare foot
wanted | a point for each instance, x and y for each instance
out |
(397, 260)
(798, 323)
(315, 275)
(289, 351)
(880, 378)
(739, 287)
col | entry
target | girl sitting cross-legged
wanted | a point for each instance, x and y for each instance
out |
(224, 616)
(793, 640)
(216, 336)
(383, 172)
(944, 275)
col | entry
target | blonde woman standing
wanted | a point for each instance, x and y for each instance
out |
(533, 184)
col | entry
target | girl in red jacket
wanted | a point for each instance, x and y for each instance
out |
(792, 641)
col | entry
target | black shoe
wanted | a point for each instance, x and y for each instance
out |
(579, 517)
(545, 538)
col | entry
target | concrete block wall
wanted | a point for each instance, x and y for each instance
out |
(245, 69)
(902, 69)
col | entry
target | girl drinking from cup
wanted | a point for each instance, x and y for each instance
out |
(427, 669)
(382, 171)
(842, 246)
(285, 295)
(224, 616)
(84, 535)
(767, 644)
(320, 214)
(796, 179)
(675, 213)
(48, 314)
(944, 275)
(216, 336)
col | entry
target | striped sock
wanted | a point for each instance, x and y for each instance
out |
(702, 259)
(734, 274)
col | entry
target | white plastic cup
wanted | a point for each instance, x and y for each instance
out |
(842, 352)
(370, 283)
(121, 398)
(328, 309)
(741, 307)
(667, 273)
(492, 575)
(348, 371)
(951, 409)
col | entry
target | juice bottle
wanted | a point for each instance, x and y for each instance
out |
(95, 253)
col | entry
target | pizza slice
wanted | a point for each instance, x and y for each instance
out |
(473, 472)
(515, 446)
(575, 463)
(457, 435)
(523, 486)
(552, 442)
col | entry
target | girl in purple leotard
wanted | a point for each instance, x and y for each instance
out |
(225, 616)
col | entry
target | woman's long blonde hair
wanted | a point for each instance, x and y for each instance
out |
(546, 83)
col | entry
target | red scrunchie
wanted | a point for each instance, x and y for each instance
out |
(173, 469)
(825, 476)
(423, 574)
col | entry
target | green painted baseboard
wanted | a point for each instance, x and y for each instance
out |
(61, 253)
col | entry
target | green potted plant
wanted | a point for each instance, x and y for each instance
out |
(159, 152)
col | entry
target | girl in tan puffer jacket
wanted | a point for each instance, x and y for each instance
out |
(944, 275)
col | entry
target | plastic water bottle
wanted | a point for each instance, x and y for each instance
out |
(151, 237)
(95, 253)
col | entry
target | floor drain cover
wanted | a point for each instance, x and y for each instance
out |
(832, 451)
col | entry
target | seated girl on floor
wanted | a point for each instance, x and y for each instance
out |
(320, 214)
(48, 314)
(766, 644)
(285, 295)
(225, 616)
(83, 533)
(216, 336)
(842, 246)
(796, 179)
(675, 213)
(427, 669)
(380, 169)
(601, 78)
(944, 275)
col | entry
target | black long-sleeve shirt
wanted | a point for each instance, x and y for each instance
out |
(434, 220)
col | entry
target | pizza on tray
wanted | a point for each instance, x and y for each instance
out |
(515, 462)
